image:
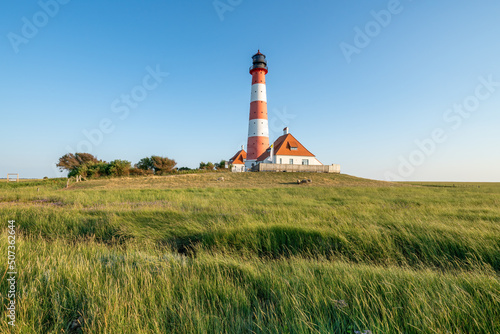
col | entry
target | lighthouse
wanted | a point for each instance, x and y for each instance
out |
(286, 153)
(258, 128)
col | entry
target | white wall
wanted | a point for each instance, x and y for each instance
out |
(297, 160)
(238, 168)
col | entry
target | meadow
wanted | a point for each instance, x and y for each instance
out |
(257, 253)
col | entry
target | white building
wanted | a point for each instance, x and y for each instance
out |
(287, 150)
(286, 154)
(238, 161)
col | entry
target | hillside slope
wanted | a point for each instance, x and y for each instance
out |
(232, 180)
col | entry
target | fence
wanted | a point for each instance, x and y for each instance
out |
(262, 167)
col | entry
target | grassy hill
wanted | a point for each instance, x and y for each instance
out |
(255, 253)
(231, 180)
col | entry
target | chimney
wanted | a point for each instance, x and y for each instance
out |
(242, 148)
(285, 131)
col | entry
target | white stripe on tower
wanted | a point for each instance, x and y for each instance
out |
(258, 127)
(258, 93)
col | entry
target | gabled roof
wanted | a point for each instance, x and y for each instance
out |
(239, 158)
(283, 146)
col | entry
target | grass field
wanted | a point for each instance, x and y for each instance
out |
(254, 254)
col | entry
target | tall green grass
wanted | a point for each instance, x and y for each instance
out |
(140, 288)
(231, 259)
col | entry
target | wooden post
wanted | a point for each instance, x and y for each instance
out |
(9, 174)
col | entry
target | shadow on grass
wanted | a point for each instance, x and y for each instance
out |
(277, 242)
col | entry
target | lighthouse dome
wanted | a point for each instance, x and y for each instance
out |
(259, 61)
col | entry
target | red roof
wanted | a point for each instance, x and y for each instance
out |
(239, 158)
(283, 146)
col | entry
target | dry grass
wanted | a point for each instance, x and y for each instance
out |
(231, 180)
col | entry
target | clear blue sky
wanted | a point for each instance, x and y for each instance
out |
(363, 109)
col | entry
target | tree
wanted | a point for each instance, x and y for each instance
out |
(221, 165)
(119, 168)
(156, 164)
(88, 166)
(163, 165)
(206, 166)
(71, 161)
(145, 164)
(90, 169)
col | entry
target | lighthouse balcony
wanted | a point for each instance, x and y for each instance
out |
(253, 67)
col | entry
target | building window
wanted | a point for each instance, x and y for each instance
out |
(291, 162)
(293, 148)
(281, 161)
(305, 161)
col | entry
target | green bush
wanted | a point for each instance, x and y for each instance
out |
(87, 166)
(119, 168)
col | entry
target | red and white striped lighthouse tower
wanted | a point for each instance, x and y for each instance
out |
(258, 128)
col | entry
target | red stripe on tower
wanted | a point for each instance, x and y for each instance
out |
(258, 128)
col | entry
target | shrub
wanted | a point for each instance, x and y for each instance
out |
(119, 168)
(206, 166)
(91, 169)
(140, 172)
(221, 165)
